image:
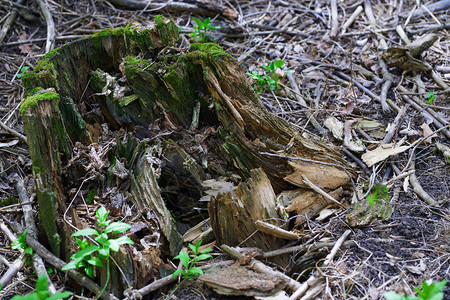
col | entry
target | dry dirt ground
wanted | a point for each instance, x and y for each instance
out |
(340, 77)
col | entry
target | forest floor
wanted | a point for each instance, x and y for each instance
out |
(342, 79)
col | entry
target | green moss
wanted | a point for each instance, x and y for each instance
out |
(32, 92)
(159, 20)
(133, 66)
(127, 100)
(8, 201)
(97, 38)
(44, 75)
(34, 99)
(36, 170)
(52, 53)
(209, 48)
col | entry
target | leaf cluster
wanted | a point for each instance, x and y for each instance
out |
(189, 270)
(20, 243)
(86, 258)
(430, 97)
(203, 30)
(23, 70)
(378, 192)
(428, 292)
(41, 292)
(272, 76)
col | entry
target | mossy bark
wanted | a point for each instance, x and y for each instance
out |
(49, 145)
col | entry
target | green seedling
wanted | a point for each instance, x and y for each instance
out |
(20, 243)
(91, 255)
(378, 192)
(23, 70)
(428, 292)
(188, 270)
(430, 97)
(41, 292)
(272, 77)
(203, 30)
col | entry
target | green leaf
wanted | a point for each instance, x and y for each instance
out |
(279, 63)
(62, 295)
(124, 240)
(20, 243)
(206, 250)
(28, 250)
(203, 257)
(41, 295)
(24, 69)
(101, 214)
(117, 227)
(113, 245)
(198, 21)
(393, 296)
(432, 291)
(193, 248)
(85, 232)
(86, 251)
(71, 265)
(194, 271)
(177, 272)
(82, 243)
(183, 256)
(42, 283)
(104, 253)
(95, 261)
(89, 272)
(102, 239)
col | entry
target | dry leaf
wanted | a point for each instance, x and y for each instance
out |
(25, 48)
(427, 131)
(381, 153)
(335, 126)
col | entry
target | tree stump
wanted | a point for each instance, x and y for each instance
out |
(192, 115)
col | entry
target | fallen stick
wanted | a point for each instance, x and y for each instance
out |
(302, 102)
(260, 267)
(417, 187)
(334, 20)
(205, 8)
(13, 132)
(313, 280)
(7, 24)
(17, 264)
(352, 19)
(51, 31)
(30, 225)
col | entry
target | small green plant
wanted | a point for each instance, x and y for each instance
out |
(428, 292)
(378, 192)
(272, 76)
(188, 269)
(41, 292)
(86, 258)
(430, 97)
(23, 70)
(20, 243)
(203, 30)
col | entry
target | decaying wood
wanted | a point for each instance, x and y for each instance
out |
(233, 215)
(260, 267)
(201, 90)
(241, 281)
(148, 198)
